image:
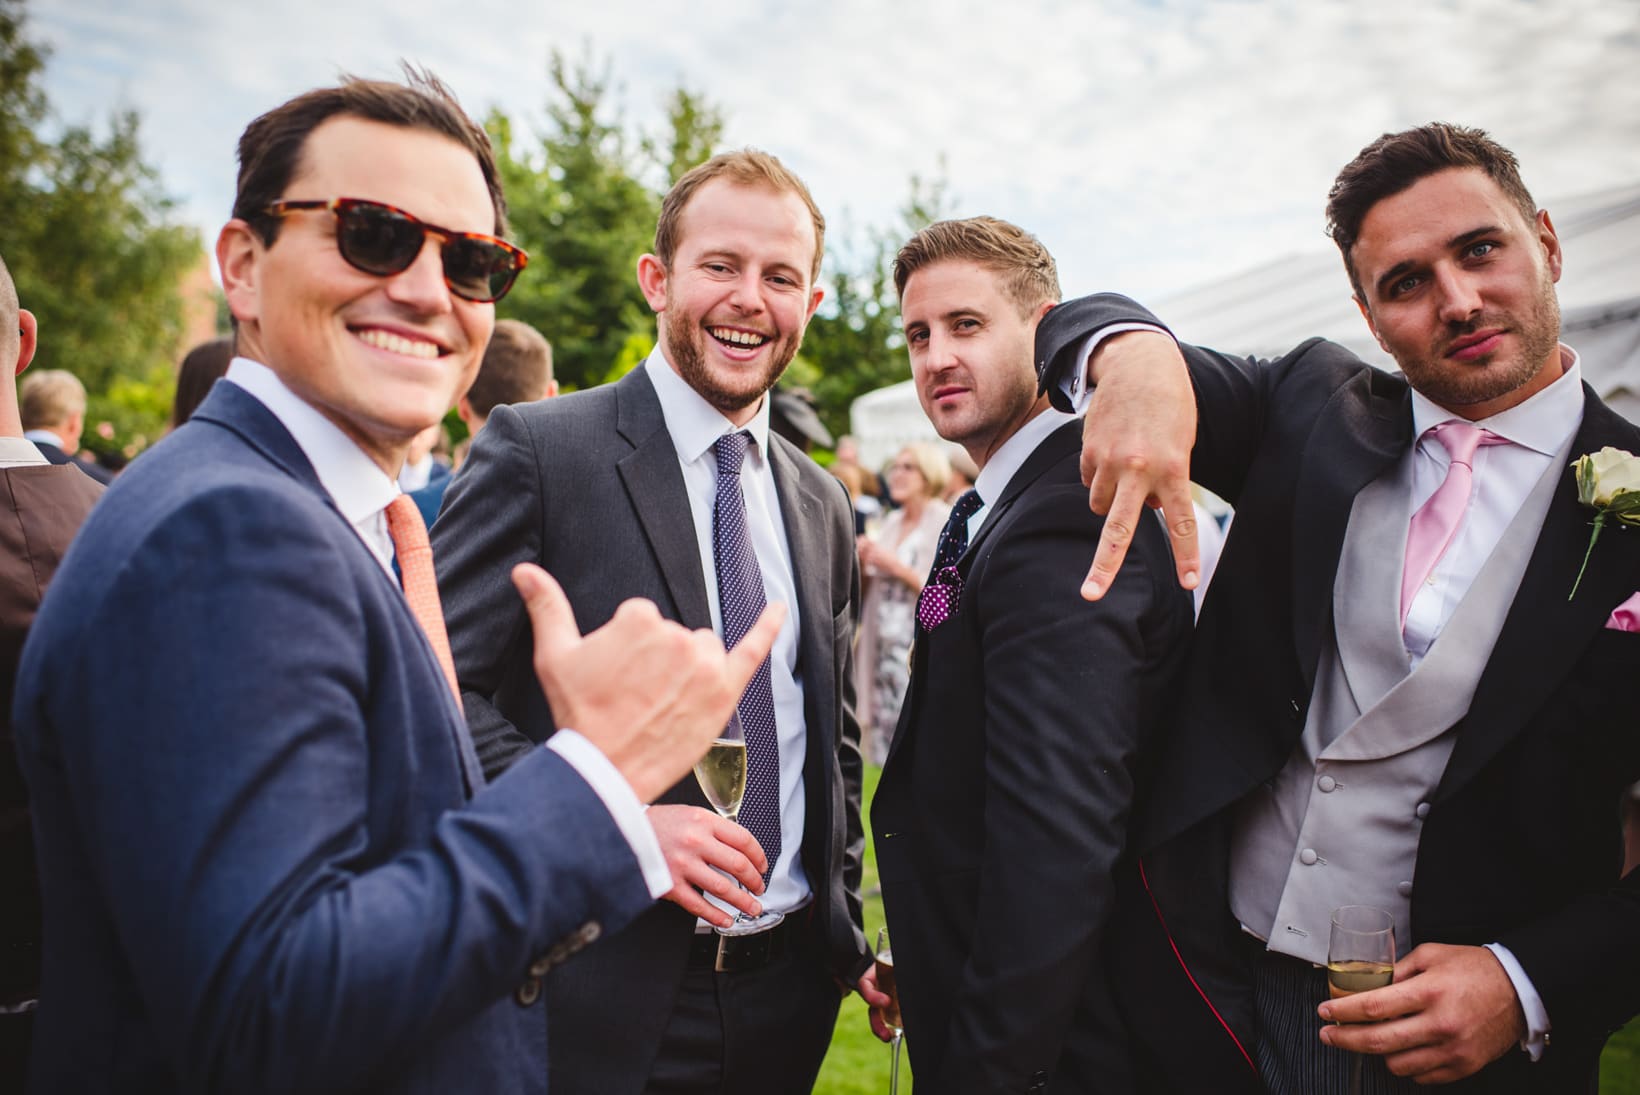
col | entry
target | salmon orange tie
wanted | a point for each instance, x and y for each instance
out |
(415, 557)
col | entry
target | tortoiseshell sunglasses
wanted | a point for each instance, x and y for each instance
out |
(382, 240)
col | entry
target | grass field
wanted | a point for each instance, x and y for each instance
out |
(858, 1063)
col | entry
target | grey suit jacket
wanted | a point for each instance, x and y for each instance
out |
(588, 486)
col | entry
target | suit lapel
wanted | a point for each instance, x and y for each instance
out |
(235, 409)
(1545, 633)
(1358, 435)
(807, 535)
(1066, 439)
(659, 497)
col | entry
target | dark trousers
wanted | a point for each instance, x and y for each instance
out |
(760, 1032)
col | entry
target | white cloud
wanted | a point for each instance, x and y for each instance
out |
(1152, 145)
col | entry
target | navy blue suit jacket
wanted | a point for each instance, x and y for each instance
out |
(261, 867)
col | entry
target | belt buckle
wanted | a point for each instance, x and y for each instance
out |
(736, 953)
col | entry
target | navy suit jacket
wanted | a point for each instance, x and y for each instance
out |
(1522, 845)
(56, 455)
(1003, 808)
(261, 867)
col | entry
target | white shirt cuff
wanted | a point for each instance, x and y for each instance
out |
(1537, 1016)
(1078, 387)
(624, 808)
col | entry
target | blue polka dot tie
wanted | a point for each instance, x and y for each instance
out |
(741, 601)
(938, 599)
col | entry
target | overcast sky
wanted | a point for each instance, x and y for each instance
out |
(1152, 146)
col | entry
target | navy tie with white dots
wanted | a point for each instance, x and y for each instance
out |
(940, 594)
(741, 601)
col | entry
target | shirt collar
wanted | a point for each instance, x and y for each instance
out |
(43, 437)
(1541, 423)
(695, 425)
(359, 488)
(1008, 459)
(20, 452)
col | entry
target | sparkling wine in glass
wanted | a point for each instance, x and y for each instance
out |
(1360, 957)
(891, 1014)
(721, 774)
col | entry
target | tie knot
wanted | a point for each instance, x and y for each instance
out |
(405, 526)
(967, 504)
(1461, 439)
(731, 451)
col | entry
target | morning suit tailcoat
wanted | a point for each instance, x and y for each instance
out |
(1521, 844)
(588, 485)
(41, 507)
(262, 866)
(1003, 807)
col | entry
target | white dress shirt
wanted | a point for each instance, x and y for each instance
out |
(20, 452)
(1504, 476)
(1008, 459)
(362, 491)
(695, 425)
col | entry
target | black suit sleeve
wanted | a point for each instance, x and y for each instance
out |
(1234, 395)
(1070, 688)
(492, 520)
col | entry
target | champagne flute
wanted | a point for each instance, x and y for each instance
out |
(1360, 957)
(891, 1014)
(721, 774)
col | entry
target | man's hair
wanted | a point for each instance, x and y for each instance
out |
(747, 167)
(50, 397)
(517, 368)
(1029, 275)
(271, 148)
(200, 369)
(1395, 161)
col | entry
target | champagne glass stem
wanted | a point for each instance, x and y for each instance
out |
(894, 1065)
(1355, 1073)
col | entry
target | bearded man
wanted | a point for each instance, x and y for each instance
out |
(669, 485)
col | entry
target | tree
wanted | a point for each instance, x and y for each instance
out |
(854, 345)
(579, 209)
(92, 244)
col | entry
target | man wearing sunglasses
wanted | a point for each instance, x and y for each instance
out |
(670, 485)
(269, 857)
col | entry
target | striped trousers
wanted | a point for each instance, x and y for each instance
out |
(1292, 1059)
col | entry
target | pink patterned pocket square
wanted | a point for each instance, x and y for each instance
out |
(1626, 616)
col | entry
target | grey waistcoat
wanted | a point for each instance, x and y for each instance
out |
(1339, 825)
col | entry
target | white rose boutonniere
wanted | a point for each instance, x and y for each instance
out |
(1608, 481)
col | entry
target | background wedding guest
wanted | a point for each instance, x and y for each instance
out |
(200, 369)
(41, 507)
(52, 403)
(894, 563)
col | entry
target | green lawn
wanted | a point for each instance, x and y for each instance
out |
(858, 1063)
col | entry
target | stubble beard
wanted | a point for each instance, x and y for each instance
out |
(686, 340)
(1481, 382)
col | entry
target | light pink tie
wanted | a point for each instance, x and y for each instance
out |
(1437, 520)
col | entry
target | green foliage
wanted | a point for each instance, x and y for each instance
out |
(584, 198)
(92, 245)
(854, 344)
(579, 209)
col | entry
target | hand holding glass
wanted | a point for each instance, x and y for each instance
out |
(891, 1013)
(1360, 957)
(721, 774)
